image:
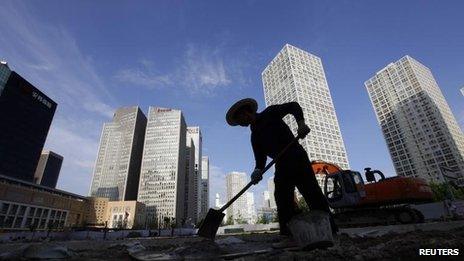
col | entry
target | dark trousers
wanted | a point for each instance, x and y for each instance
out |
(295, 171)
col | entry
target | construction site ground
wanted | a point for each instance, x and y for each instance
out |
(399, 242)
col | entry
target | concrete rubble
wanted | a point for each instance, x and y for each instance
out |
(379, 243)
(37, 251)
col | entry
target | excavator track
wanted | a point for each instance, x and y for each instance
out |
(361, 217)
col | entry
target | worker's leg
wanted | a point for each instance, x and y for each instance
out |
(284, 197)
(309, 188)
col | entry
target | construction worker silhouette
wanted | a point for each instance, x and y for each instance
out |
(269, 135)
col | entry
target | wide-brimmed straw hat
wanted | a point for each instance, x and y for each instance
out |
(231, 116)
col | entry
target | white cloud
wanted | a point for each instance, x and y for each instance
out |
(204, 70)
(50, 58)
(143, 78)
(201, 70)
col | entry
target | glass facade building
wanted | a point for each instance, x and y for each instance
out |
(117, 167)
(25, 118)
(48, 169)
(204, 186)
(194, 134)
(162, 176)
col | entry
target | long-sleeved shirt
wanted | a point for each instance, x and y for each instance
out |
(270, 134)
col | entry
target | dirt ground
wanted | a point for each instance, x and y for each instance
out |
(393, 245)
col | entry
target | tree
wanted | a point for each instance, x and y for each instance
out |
(173, 225)
(443, 191)
(262, 220)
(167, 221)
(230, 220)
(275, 218)
(302, 206)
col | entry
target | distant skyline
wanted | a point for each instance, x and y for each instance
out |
(200, 57)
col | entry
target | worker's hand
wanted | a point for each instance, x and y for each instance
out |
(303, 129)
(256, 176)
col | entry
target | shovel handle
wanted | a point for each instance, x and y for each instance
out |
(268, 166)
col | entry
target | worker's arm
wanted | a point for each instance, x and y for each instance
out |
(260, 156)
(284, 109)
(294, 109)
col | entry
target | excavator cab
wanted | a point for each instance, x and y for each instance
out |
(344, 188)
(370, 175)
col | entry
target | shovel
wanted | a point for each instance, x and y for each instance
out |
(213, 219)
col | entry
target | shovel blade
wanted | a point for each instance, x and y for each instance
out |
(210, 224)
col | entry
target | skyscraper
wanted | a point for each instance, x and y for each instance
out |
(296, 75)
(162, 176)
(271, 189)
(251, 215)
(117, 167)
(48, 169)
(190, 204)
(420, 131)
(204, 186)
(235, 181)
(25, 118)
(194, 133)
(217, 202)
(266, 199)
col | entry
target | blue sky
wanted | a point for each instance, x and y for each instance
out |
(200, 56)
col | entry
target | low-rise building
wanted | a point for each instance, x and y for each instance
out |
(24, 205)
(97, 208)
(125, 214)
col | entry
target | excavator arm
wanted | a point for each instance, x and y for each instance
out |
(322, 167)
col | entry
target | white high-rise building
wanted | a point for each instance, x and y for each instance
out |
(117, 167)
(462, 90)
(194, 133)
(271, 189)
(295, 75)
(266, 199)
(236, 181)
(420, 131)
(162, 175)
(251, 216)
(217, 202)
(204, 186)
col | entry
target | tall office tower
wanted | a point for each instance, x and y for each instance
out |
(195, 134)
(48, 169)
(204, 186)
(4, 74)
(271, 189)
(251, 215)
(420, 131)
(266, 199)
(162, 176)
(295, 75)
(117, 167)
(190, 205)
(462, 90)
(235, 181)
(217, 202)
(25, 118)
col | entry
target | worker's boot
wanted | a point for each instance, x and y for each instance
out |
(286, 242)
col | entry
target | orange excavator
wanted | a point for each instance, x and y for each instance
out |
(379, 200)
